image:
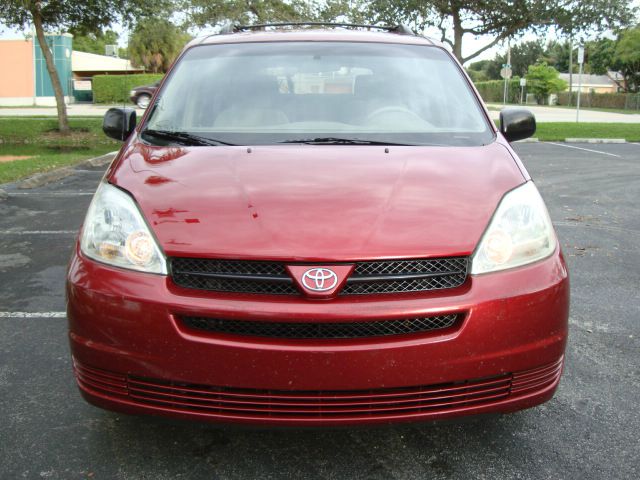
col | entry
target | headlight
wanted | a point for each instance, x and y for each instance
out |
(132, 93)
(115, 233)
(519, 233)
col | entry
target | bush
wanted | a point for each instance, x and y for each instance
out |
(493, 90)
(116, 88)
(628, 101)
(542, 80)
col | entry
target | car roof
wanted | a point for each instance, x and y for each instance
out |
(314, 35)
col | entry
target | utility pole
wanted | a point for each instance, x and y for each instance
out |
(580, 62)
(570, 69)
(506, 73)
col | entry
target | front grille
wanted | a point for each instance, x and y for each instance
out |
(232, 276)
(313, 330)
(409, 267)
(368, 278)
(398, 276)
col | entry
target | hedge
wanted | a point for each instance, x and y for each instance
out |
(116, 88)
(628, 101)
(492, 91)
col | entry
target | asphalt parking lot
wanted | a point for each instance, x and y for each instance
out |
(589, 430)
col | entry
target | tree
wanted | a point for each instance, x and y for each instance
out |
(499, 19)
(600, 54)
(522, 55)
(477, 75)
(542, 80)
(627, 58)
(93, 42)
(215, 12)
(557, 55)
(619, 55)
(60, 15)
(155, 44)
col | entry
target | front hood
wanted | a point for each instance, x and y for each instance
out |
(317, 203)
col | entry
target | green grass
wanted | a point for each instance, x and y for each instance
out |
(496, 108)
(86, 130)
(598, 109)
(37, 137)
(561, 130)
(44, 158)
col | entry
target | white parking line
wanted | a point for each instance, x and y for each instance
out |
(585, 149)
(33, 314)
(38, 232)
(53, 194)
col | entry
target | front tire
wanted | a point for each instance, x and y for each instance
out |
(143, 101)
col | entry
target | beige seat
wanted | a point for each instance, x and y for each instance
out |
(253, 102)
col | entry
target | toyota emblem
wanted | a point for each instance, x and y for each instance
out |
(319, 279)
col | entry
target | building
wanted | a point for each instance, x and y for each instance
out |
(85, 65)
(27, 82)
(592, 83)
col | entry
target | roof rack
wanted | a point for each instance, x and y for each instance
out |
(399, 29)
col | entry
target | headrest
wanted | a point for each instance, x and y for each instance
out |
(368, 86)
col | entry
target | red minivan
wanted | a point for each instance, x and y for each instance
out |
(317, 227)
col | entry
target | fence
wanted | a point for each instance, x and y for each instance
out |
(622, 101)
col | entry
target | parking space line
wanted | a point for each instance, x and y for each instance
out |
(33, 314)
(585, 149)
(53, 194)
(38, 232)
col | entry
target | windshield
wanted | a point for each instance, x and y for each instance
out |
(317, 92)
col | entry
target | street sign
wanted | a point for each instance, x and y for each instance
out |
(506, 72)
(580, 55)
(523, 82)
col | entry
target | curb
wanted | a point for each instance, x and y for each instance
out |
(40, 179)
(100, 161)
(595, 140)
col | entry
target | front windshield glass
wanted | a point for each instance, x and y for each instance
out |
(317, 92)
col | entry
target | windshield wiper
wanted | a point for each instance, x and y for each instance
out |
(184, 138)
(341, 141)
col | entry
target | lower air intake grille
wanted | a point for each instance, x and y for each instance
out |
(307, 330)
(314, 406)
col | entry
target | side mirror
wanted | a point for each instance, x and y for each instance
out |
(517, 123)
(118, 123)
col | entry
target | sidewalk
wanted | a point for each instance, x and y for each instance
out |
(543, 114)
(559, 114)
(73, 110)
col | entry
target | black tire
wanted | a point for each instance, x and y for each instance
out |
(143, 100)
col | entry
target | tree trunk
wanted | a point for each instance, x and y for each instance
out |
(63, 120)
(457, 35)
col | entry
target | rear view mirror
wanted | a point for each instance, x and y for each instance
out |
(118, 123)
(517, 123)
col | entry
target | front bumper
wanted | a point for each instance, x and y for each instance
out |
(132, 354)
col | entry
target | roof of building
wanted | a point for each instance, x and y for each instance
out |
(90, 62)
(589, 79)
